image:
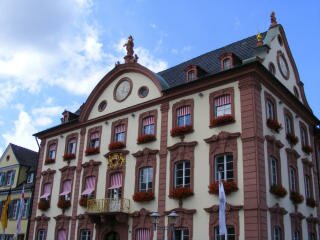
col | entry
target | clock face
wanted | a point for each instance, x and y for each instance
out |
(122, 90)
(283, 66)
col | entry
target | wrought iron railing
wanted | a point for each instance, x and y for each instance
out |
(108, 205)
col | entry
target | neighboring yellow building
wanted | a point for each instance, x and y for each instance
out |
(17, 168)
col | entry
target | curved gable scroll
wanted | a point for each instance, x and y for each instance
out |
(159, 82)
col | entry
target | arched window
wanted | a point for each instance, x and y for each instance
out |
(191, 75)
(227, 64)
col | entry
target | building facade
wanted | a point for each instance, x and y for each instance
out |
(17, 170)
(145, 142)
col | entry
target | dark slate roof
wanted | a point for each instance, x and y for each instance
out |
(210, 62)
(25, 157)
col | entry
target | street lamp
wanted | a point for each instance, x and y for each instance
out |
(172, 218)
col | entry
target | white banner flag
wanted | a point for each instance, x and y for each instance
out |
(222, 209)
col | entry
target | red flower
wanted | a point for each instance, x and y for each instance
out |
(311, 202)
(278, 190)
(307, 149)
(69, 156)
(178, 131)
(180, 193)
(83, 201)
(143, 196)
(296, 197)
(229, 187)
(274, 125)
(116, 145)
(49, 161)
(292, 139)
(221, 120)
(63, 203)
(146, 138)
(91, 151)
(43, 204)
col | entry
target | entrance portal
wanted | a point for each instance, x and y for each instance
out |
(112, 236)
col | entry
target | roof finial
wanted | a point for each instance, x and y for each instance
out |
(273, 19)
(259, 40)
(129, 47)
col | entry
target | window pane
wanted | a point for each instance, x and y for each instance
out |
(145, 179)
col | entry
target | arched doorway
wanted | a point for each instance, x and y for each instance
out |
(112, 236)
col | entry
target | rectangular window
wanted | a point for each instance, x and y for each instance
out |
(3, 179)
(25, 211)
(274, 171)
(184, 116)
(288, 124)
(62, 234)
(143, 234)
(10, 178)
(94, 141)
(46, 191)
(292, 179)
(90, 184)
(71, 146)
(145, 179)
(224, 165)
(14, 208)
(66, 189)
(148, 125)
(307, 186)
(120, 133)
(222, 105)
(52, 151)
(181, 234)
(226, 64)
(304, 137)
(41, 235)
(191, 75)
(270, 110)
(231, 234)
(30, 178)
(85, 234)
(182, 174)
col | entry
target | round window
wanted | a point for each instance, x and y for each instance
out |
(102, 106)
(143, 91)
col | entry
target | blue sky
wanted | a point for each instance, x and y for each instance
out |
(53, 53)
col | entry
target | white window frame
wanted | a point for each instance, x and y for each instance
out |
(270, 110)
(52, 152)
(184, 176)
(288, 124)
(292, 179)
(307, 183)
(183, 234)
(274, 171)
(276, 233)
(225, 170)
(71, 146)
(229, 236)
(30, 177)
(227, 63)
(223, 110)
(148, 175)
(85, 234)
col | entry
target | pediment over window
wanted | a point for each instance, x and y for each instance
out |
(229, 60)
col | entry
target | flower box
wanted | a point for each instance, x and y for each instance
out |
(43, 204)
(180, 193)
(143, 196)
(116, 145)
(179, 131)
(274, 125)
(69, 156)
(83, 202)
(296, 197)
(92, 151)
(63, 203)
(278, 190)
(311, 202)
(49, 161)
(222, 120)
(307, 149)
(292, 139)
(229, 187)
(146, 138)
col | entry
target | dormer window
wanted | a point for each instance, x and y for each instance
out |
(191, 75)
(194, 72)
(227, 64)
(229, 60)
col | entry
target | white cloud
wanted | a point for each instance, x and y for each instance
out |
(148, 60)
(22, 132)
(48, 111)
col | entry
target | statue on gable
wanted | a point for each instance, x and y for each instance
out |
(129, 47)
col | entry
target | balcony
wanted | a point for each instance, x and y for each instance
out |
(108, 205)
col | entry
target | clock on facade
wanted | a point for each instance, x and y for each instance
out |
(283, 65)
(122, 89)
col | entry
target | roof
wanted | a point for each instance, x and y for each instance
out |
(25, 157)
(210, 62)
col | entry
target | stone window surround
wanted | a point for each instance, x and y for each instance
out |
(116, 123)
(185, 220)
(303, 126)
(178, 152)
(218, 93)
(92, 130)
(90, 168)
(191, 68)
(177, 105)
(228, 55)
(287, 113)
(51, 142)
(150, 113)
(62, 222)
(42, 223)
(269, 97)
(70, 137)
(276, 219)
(141, 219)
(307, 171)
(145, 158)
(295, 219)
(224, 142)
(67, 173)
(232, 218)
(47, 177)
(292, 157)
(84, 222)
(110, 172)
(273, 149)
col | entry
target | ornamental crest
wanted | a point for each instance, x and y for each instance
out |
(116, 160)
